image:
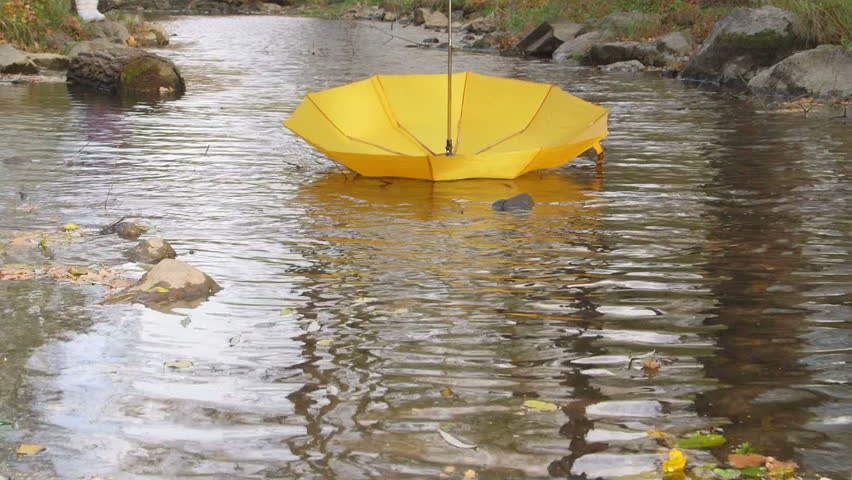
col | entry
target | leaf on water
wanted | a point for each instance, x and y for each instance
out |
(700, 440)
(540, 406)
(675, 462)
(469, 474)
(185, 321)
(77, 271)
(314, 326)
(235, 340)
(332, 390)
(446, 392)
(726, 473)
(364, 300)
(656, 434)
(287, 311)
(178, 364)
(455, 441)
(324, 342)
(778, 468)
(29, 449)
(746, 460)
(70, 227)
(651, 364)
(159, 290)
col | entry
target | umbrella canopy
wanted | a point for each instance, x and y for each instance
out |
(397, 126)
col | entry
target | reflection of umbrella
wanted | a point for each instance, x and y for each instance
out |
(437, 127)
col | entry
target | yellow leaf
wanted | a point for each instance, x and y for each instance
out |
(446, 392)
(159, 290)
(30, 449)
(324, 342)
(178, 364)
(469, 474)
(539, 406)
(656, 434)
(70, 227)
(676, 461)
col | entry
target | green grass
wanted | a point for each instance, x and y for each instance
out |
(27, 23)
(822, 21)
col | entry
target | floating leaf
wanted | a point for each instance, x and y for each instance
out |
(287, 311)
(159, 290)
(332, 390)
(324, 342)
(469, 474)
(754, 472)
(77, 271)
(185, 321)
(364, 300)
(656, 434)
(70, 227)
(675, 462)
(29, 449)
(539, 406)
(455, 441)
(178, 364)
(314, 326)
(235, 340)
(446, 392)
(700, 440)
(726, 473)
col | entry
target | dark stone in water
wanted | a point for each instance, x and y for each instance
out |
(431, 40)
(521, 201)
(130, 230)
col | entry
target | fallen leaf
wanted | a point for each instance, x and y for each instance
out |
(332, 390)
(324, 342)
(185, 321)
(469, 474)
(178, 364)
(159, 290)
(455, 441)
(235, 340)
(651, 364)
(449, 469)
(76, 271)
(540, 406)
(364, 300)
(446, 392)
(727, 473)
(287, 311)
(656, 434)
(314, 326)
(777, 468)
(676, 461)
(70, 227)
(700, 440)
(29, 449)
(746, 460)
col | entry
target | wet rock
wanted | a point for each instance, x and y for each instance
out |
(675, 43)
(625, 408)
(547, 37)
(130, 230)
(58, 40)
(579, 47)
(155, 35)
(669, 72)
(825, 71)
(615, 465)
(370, 12)
(627, 21)
(152, 251)
(469, 38)
(13, 61)
(743, 43)
(480, 26)
(50, 61)
(607, 53)
(486, 42)
(89, 46)
(628, 66)
(431, 40)
(270, 8)
(420, 15)
(521, 201)
(390, 17)
(170, 281)
(436, 20)
(123, 70)
(113, 31)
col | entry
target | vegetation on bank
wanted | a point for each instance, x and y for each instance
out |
(30, 23)
(822, 21)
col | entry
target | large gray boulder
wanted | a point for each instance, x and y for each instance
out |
(743, 43)
(152, 251)
(13, 60)
(579, 47)
(480, 26)
(436, 20)
(675, 43)
(113, 31)
(127, 71)
(547, 37)
(607, 53)
(420, 15)
(170, 281)
(825, 71)
(88, 46)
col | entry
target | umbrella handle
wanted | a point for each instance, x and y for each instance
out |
(449, 77)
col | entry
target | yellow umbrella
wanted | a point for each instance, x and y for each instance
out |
(448, 127)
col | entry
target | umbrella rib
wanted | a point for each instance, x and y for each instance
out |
(349, 136)
(389, 113)
(461, 112)
(498, 142)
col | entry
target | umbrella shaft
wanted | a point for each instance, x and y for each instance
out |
(449, 77)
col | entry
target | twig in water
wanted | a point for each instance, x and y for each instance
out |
(111, 227)
(107, 197)
(296, 166)
(82, 148)
(396, 36)
(205, 151)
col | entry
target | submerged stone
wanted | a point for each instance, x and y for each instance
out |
(521, 201)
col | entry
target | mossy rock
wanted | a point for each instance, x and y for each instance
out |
(150, 75)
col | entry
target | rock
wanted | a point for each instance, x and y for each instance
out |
(436, 20)
(111, 30)
(58, 40)
(431, 40)
(390, 16)
(405, 19)
(457, 15)
(825, 71)
(168, 282)
(669, 72)
(370, 12)
(743, 43)
(13, 60)
(580, 46)
(50, 61)
(628, 66)
(89, 46)
(480, 26)
(152, 251)
(420, 15)
(675, 43)
(130, 230)
(487, 42)
(521, 201)
(153, 36)
(607, 53)
(469, 38)
(547, 37)
(628, 21)
(270, 8)
(124, 70)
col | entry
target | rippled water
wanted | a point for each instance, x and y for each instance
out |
(718, 237)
